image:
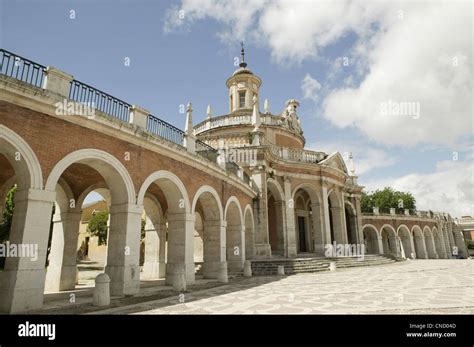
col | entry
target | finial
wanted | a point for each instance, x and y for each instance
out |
(351, 162)
(266, 106)
(188, 128)
(243, 64)
(209, 111)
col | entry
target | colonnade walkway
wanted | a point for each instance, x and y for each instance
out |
(413, 286)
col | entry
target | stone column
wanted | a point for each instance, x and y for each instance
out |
(338, 224)
(214, 241)
(180, 247)
(423, 248)
(326, 221)
(280, 207)
(22, 281)
(360, 236)
(61, 272)
(380, 243)
(235, 247)
(318, 225)
(154, 267)
(290, 232)
(123, 249)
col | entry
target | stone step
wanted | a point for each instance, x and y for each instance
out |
(304, 265)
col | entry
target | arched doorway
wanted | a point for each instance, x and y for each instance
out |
(235, 243)
(351, 223)
(249, 233)
(29, 223)
(208, 204)
(171, 237)
(389, 240)
(371, 240)
(276, 221)
(96, 167)
(337, 226)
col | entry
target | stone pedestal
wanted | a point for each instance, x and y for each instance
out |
(102, 290)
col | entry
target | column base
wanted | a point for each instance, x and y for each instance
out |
(21, 291)
(173, 269)
(154, 270)
(60, 278)
(124, 280)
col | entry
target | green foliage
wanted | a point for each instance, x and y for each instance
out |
(386, 199)
(98, 226)
(6, 222)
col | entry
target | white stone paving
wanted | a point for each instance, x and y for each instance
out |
(417, 286)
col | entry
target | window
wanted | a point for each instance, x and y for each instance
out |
(231, 102)
(241, 99)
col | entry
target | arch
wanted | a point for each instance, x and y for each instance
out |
(276, 217)
(308, 220)
(111, 169)
(249, 224)
(28, 170)
(429, 243)
(310, 189)
(371, 239)
(154, 260)
(208, 189)
(234, 200)
(214, 232)
(173, 188)
(235, 242)
(61, 270)
(275, 187)
(100, 188)
(337, 228)
(406, 242)
(389, 239)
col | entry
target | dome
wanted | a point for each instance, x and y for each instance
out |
(242, 70)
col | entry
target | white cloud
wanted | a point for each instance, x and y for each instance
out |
(449, 189)
(365, 158)
(404, 53)
(310, 87)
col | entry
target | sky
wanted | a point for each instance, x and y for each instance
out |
(389, 81)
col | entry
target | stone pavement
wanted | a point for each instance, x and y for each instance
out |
(411, 287)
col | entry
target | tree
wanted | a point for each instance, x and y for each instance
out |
(386, 199)
(98, 226)
(6, 222)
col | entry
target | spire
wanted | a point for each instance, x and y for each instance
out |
(243, 64)
(351, 163)
(188, 128)
(266, 106)
(209, 111)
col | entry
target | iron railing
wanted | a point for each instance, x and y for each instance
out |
(206, 151)
(165, 130)
(22, 69)
(81, 92)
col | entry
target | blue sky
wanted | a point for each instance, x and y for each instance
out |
(173, 61)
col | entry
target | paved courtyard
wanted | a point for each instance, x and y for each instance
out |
(420, 286)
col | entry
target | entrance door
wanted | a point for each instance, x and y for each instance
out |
(302, 233)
